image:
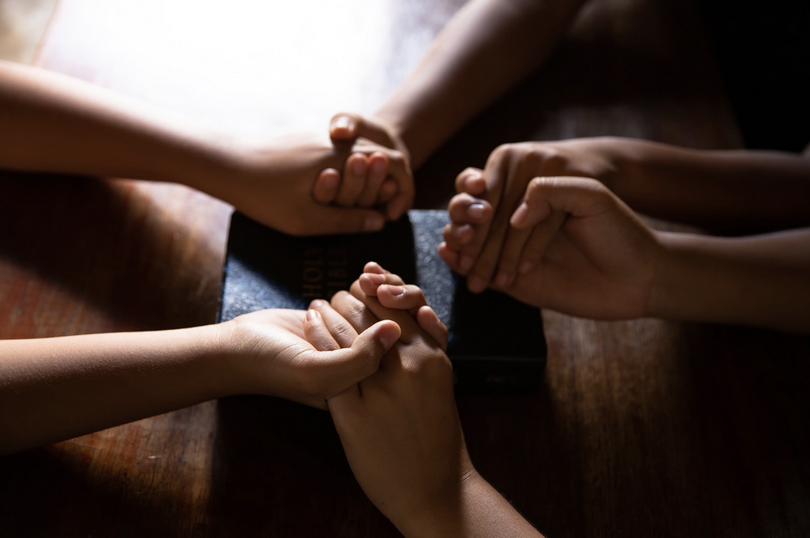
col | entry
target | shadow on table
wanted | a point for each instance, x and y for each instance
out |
(280, 471)
(96, 241)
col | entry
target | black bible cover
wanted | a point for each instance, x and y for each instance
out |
(496, 344)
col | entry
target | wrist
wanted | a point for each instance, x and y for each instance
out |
(479, 510)
(206, 160)
(626, 166)
(210, 347)
(444, 515)
(669, 293)
(394, 125)
(232, 357)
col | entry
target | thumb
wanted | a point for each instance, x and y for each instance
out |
(362, 359)
(343, 127)
(347, 127)
(375, 342)
(576, 196)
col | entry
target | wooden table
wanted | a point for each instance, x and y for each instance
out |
(643, 428)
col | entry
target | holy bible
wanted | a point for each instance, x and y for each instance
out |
(496, 344)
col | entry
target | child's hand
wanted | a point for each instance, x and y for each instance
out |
(392, 292)
(269, 353)
(579, 250)
(399, 427)
(487, 198)
(273, 184)
(364, 182)
(366, 179)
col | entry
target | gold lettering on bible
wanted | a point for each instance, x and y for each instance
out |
(324, 272)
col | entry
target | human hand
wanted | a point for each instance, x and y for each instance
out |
(393, 293)
(273, 184)
(269, 353)
(580, 250)
(487, 198)
(366, 181)
(399, 427)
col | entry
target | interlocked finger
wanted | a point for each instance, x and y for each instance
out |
(341, 329)
(353, 181)
(375, 175)
(317, 333)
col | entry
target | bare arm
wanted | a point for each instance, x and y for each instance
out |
(722, 190)
(54, 123)
(758, 280)
(53, 389)
(741, 191)
(486, 48)
(57, 388)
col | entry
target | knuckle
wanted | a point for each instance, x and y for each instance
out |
(340, 295)
(464, 174)
(536, 186)
(503, 149)
(556, 162)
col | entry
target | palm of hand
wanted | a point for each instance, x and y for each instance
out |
(276, 359)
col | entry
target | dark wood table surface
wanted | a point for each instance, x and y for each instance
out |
(643, 428)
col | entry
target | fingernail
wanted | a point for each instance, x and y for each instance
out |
(525, 267)
(374, 223)
(396, 291)
(312, 315)
(466, 262)
(378, 166)
(317, 303)
(520, 215)
(375, 278)
(465, 234)
(476, 284)
(477, 185)
(476, 211)
(342, 122)
(388, 338)
(358, 166)
(502, 280)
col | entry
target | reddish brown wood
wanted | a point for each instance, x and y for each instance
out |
(642, 428)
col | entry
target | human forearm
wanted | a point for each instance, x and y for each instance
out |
(721, 190)
(53, 123)
(479, 512)
(761, 280)
(57, 388)
(486, 48)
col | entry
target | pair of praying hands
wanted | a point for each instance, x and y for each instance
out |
(352, 183)
(399, 426)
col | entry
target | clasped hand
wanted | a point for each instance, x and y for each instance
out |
(570, 245)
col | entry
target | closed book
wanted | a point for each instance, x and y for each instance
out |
(496, 344)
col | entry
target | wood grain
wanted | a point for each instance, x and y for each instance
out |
(643, 428)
